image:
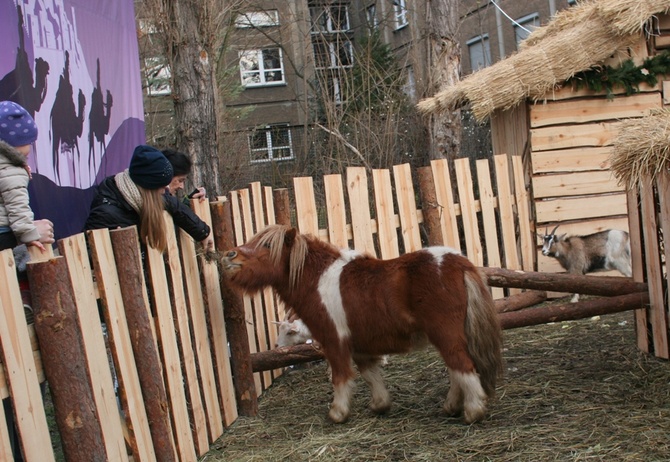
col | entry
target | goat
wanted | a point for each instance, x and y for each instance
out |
(601, 251)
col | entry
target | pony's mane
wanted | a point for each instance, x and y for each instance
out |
(273, 237)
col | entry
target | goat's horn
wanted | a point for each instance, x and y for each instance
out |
(554, 231)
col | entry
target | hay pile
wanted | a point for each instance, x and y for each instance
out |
(576, 39)
(641, 148)
(577, 390)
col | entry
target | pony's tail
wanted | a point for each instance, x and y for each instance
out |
(483, 332)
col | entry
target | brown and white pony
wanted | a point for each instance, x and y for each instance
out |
(360, 308)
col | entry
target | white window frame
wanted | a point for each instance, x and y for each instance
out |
(529, 22)
(251, 19)
(158, 76)
(269, 148)
(334, 55)
(371, 16)
(483, 42)
(261, 71)
(400, 13)
(327, 10)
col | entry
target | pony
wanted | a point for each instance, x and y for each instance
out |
(360, 308)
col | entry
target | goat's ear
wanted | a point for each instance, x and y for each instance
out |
(289, 237)
(561, 237)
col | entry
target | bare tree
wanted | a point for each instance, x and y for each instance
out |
(444, 61)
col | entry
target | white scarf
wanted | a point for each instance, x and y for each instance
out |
(129, 190)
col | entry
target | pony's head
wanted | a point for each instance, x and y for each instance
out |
(273, 255)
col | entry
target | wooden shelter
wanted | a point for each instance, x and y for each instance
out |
(540, 106)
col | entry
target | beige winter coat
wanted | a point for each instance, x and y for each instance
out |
(15, 210)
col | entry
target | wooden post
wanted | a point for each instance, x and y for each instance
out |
(519, 301)
(561, 282)
(236, 328)
(429, 206)
(64, 362)
(285, 356)
(136, 302)
(282, 207)
(569, 311)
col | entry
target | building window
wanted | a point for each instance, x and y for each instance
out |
(572, 2)
(329, 18)
(158, 75)
(480, 52)
(333, 54)
(271, 143)
(371, 17)
(257, 19)
(261, 67)
(524, 26)
(400, 10)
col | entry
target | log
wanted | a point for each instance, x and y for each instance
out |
(430, 206)
(282, 206)
(285, 356)
(522, 300)
(562, 282)
(135, 300)
(570, 311)
(236, 326)
(64, 362)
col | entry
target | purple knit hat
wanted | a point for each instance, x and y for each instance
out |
(17, 127)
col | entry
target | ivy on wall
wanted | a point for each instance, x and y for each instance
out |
(627, 76)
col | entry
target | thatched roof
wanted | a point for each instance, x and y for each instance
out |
(642, 148)
(576, 39)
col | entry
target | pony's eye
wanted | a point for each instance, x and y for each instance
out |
(266, 245)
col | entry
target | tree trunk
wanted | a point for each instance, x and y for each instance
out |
(190, 31)
(444, 58)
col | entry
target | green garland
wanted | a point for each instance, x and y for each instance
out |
(627, 76)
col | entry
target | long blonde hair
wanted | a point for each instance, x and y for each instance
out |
(152, 224)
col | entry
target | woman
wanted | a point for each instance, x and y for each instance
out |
(137, 196)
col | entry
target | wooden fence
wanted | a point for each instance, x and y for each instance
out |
(165, 329)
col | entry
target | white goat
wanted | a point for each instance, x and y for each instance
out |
(292, 333)
(602, 251)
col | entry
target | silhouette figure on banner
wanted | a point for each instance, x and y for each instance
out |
(98, 118)
(67, 124)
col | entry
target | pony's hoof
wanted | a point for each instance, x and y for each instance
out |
(474, 414)
(338, 415)
(380, 407)
(453, 409)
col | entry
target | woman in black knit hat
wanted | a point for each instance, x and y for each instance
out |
(137, 196)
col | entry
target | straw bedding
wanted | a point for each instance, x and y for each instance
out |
(575, 40)
(578, 390)
(642, 148)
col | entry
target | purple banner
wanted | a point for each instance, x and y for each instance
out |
(74, 65)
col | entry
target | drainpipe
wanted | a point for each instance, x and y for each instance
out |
(501, 38)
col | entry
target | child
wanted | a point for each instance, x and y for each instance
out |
(17, 225)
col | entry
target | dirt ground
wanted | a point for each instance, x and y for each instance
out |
(572, 391)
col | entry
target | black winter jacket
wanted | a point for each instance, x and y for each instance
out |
(111, 210)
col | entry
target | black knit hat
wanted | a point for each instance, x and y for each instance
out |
(149, 168)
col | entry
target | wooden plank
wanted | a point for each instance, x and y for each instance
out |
(662, 42)
(181, 315)
(336, 211)
(488, 204)
(246, 300)
(526, 233)
(409, 224)
(305, 205)
(219, 341)
(359, 207)
(445, 198)
(201, 346)
(4, 387)
(386, 228)
(575, 184)
(663, 195)
(657, 315)
(119, 338)
(19, 362)
(507, 221)
(588, 110)
(257, 298)
(666, 92)
(580, 208)
(637, 260)
(570, 92)
(585, 226)
(573, 136)
(76, 254)
(473, 244)
(571, 160)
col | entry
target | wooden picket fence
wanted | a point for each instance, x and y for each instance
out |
(166, 329)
